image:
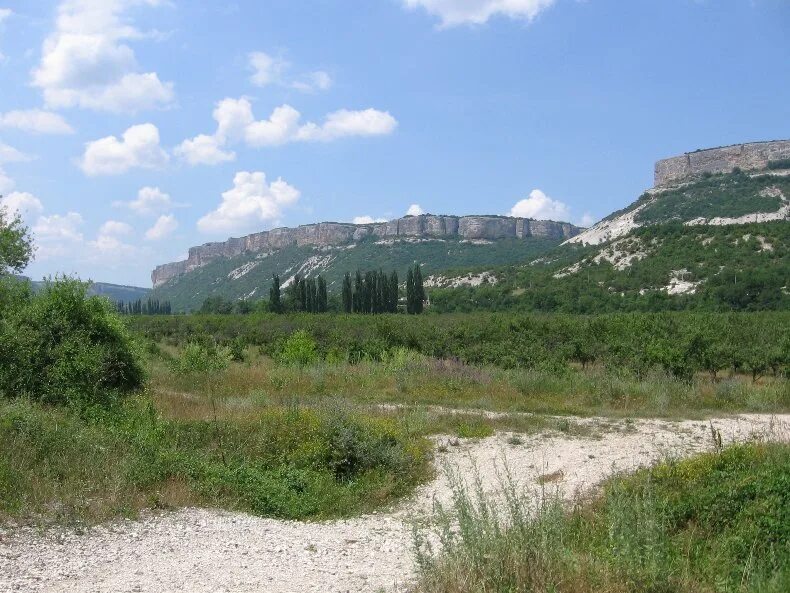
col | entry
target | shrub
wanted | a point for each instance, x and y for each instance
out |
(201, 358)
(298, 349)
(61, 346)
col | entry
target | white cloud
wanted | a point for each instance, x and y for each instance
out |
(36, 121)
(415, 210)
(249, 203)
(58, 229)
(24, 204)
(266, 69)
(87, 63)
(539, 206)
(164, 226)
(203, 150)
(367, 220)
(269, 70)
(9, 154)
(139, 147)
(587, 220)
(236, 123)
(150, 201)
(115, 228)
(6, 183)
(477, 12)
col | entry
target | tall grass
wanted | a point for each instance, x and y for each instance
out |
(716, 522)
(405, 377)
(288, 462)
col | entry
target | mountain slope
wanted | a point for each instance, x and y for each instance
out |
(718, 242)
(249, 275)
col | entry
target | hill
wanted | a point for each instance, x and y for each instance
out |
(114, 292)
(243, 268)
(714, 242)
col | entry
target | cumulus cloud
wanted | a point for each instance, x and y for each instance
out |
(9, 154)
(367, 220)
(587, 220)
(87, 61)
(22, 204)
(538, 205)
(6, 183)
(57, 235)
(415, 210)
(270, 70)
(236, 123)
(36, 121)
(203, 150)
(138, 147)
(476, 12)
(109, 245)
(164, 226)
(4, 14)
(150, 201)
(249, 203)
(115, 228)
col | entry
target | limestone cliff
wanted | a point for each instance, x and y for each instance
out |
(337, 233)
(751, 156)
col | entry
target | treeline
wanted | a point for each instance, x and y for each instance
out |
(140, 307)
(679, 344)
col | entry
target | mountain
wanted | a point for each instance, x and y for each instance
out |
(242, 268)
(114, 292)
(712, 233)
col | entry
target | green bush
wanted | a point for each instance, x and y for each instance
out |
(298, 349)
(61, 346)
(201, 358)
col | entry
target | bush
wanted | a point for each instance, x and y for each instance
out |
(298, 349)
(61, 346)
(200, 358)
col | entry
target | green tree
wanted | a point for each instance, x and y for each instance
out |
(419, 290)
(275, 298)
(410, 291)
(16, 247)
(393, 292)
(348, 303)
(323, 297)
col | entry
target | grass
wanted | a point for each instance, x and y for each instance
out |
(410, 379)
(288, 462)
(716, 522)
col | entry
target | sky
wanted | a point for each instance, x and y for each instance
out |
(131, 130)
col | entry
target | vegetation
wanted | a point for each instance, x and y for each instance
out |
(140, 307)
(238, 277)
(287, 462)
(678, 344)
(731, 195)
(60, 346)
(16, 247)
(716, 522)
(731, 268)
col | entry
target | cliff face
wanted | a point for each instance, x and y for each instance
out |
(755, 155)
(335, 233)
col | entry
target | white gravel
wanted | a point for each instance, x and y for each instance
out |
(204, 550)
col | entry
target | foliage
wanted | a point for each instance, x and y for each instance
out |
(187, 292)
(16, 246)
(715, 522)
(201, 358)
(60, 346)
(294, 463)
(298, 349)
(680, 343)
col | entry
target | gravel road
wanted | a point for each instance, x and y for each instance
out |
(212, 551)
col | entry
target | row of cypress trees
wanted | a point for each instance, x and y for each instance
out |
(371, 292)
(140, 307)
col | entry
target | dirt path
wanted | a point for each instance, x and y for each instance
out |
(202, 551)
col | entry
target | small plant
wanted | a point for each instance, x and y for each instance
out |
(514, 439)
(299, 349)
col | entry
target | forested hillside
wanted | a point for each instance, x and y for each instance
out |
(249, 276)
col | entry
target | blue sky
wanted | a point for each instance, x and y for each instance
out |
(132, 129)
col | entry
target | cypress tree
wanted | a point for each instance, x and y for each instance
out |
(347, 294)
(393, 295)
(359, 289)
(302, 295)
(275, 298)
(410, 291)
(323, 298)
(419, 290)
